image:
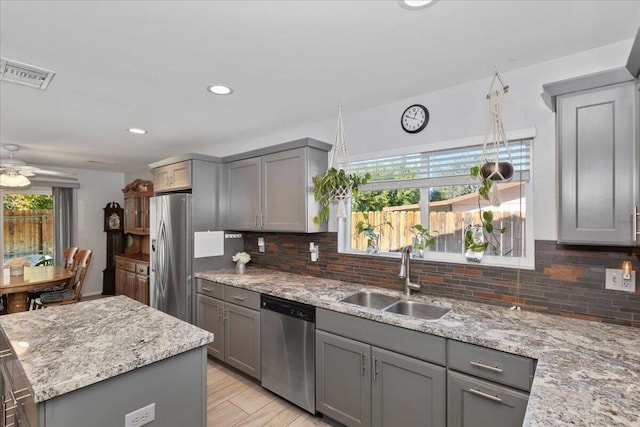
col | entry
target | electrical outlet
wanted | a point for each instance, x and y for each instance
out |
(615, 281)
(141, 416)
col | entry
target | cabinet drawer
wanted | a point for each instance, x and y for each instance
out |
(120, 263)
(242, 297)
(213, 289)
(130, 266)
(494, 365)
(416, 344)
(142, 269)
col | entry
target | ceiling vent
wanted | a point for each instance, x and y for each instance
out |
(24, 74)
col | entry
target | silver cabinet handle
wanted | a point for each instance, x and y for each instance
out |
(220, 317)
(487, 367)
(261, 220)
(5, 353)
(256, 219)
(238, 298)
(375, 367)
(226, 317)
(485, 395)
(362, 363)
(206, 289)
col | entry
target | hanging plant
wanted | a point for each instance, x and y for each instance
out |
(494, 168)
(486, 191)
(334, 185)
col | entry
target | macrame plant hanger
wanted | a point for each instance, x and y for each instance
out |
(494, 169)
(340, 158)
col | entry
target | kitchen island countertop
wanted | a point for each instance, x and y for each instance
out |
(64, 348)
(587, 374)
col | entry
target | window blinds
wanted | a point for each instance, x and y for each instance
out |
(438, 168)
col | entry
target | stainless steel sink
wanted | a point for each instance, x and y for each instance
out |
(370, 300)
(416, 309)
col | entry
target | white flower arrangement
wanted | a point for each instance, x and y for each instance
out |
(242, 257)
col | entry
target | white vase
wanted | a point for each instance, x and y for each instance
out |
(241, 267)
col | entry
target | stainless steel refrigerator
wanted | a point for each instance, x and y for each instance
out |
(172, 287)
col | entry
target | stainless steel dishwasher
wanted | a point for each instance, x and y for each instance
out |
(287, 331)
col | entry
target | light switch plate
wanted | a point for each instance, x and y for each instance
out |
(614, 280)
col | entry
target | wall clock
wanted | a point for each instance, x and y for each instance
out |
(415, 118)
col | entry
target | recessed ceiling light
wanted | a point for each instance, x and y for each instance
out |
(137, 131)
(220, 90)
(416, 4)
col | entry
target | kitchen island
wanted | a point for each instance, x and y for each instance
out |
(587, 374)
(91, 363)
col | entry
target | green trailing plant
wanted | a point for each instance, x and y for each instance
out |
(328, 184)
(425, 237)
(492, 233)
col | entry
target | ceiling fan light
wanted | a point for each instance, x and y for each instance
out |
(14, 180)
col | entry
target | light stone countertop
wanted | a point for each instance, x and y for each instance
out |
(76, 345)
(588, 373)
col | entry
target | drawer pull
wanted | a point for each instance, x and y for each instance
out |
(362, 363)
(238, 298)
(5, 353)
(207, 289)
(487, 367)
(485, 395)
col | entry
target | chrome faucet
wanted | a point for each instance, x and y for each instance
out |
(404, 271)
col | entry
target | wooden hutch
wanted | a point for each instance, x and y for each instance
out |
(132, 267)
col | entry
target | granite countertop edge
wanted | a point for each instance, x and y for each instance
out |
(587, 372)
(63, 354)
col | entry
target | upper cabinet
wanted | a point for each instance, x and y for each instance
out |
(172, 177)
(271, 189)
(136, 206)
(597, 131)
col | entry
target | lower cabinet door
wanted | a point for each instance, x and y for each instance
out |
(209, 313)
(475, 402)
(242, 339)
(406, 391)
(343, 379)
(142, 289)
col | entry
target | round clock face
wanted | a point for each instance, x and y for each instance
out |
(415, 118)
(114, 221)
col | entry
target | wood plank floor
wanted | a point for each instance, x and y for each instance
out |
(233, 400)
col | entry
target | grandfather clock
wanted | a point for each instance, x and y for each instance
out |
(113, 226)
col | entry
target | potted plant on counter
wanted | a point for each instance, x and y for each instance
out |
(372, 233)
(422, 239)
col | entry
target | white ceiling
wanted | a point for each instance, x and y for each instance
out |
(147, 64)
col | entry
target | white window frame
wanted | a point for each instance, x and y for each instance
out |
(527, 262)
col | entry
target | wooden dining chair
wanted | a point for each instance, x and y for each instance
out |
(73, 294)
(68, 262)
(68, 257)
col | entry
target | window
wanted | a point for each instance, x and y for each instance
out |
(28, 226)
(434, 189)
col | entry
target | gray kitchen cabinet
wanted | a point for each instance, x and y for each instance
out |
(243, 194)
(242, 339)
(597, 155)
(472, 402)
(270, 189)
(361, 385)
(233, 317)
(173, 177)
(209, 316)
(407, 390)
(343, 379)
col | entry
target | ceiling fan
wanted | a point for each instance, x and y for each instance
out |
(15, 173)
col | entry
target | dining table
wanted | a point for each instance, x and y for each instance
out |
(32, 279)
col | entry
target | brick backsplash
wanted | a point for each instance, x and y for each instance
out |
(567, 280)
